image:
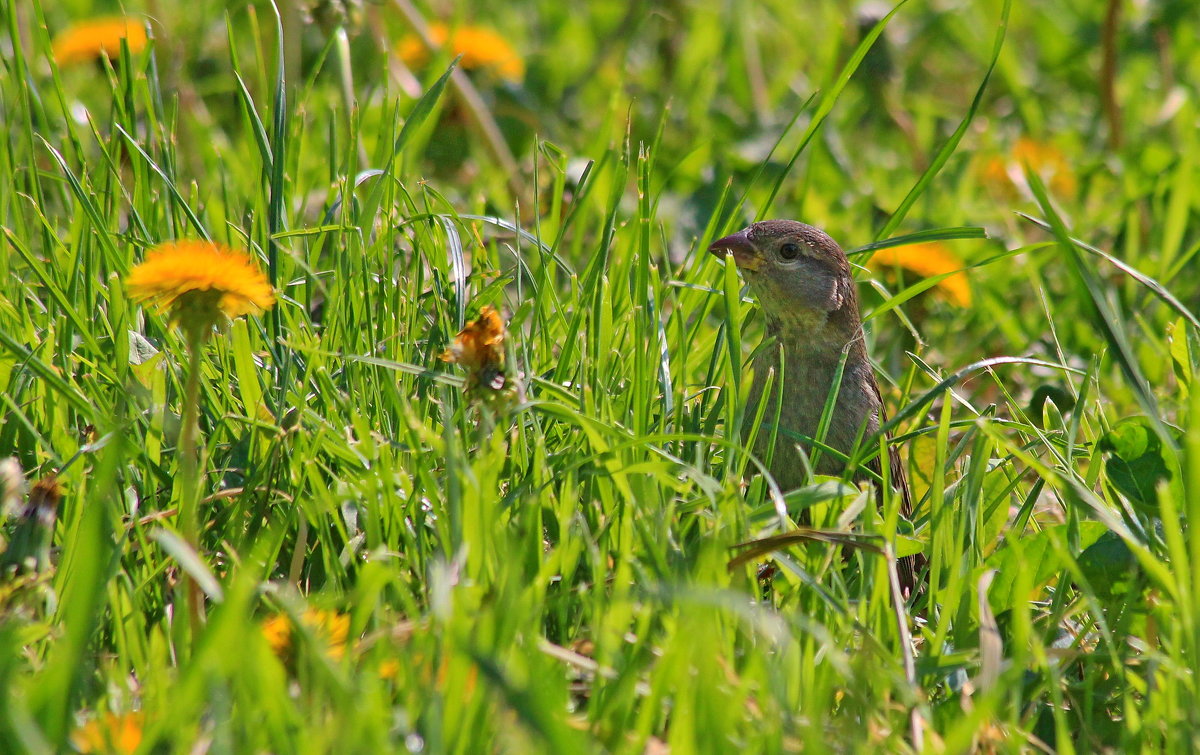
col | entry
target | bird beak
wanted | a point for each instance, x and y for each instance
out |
(745, 254)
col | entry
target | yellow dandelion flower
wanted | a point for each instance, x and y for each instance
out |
(1005, 174)
(389, 670)
(111, 734)
(480, 49)
(331, 627)
(198, 283)
(89, 40)
(927, 260)
(277, 631)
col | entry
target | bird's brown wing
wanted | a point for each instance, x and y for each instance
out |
(909, 567)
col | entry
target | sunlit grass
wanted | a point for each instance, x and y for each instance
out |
(549, 572)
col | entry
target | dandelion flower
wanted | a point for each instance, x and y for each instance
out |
(331, 627)
(479, 348)
(389, 669)
(927, 260)
(1005, 174)
(277, 631)
(110, 733)
(200, 283)
(480, 49)
(89, 40)
(480, 345)
(28, 550)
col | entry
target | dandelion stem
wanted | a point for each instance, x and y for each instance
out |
(189, 469)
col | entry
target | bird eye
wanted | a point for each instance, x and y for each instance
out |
(789, 251)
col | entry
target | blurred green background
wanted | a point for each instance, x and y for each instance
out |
(389, 565)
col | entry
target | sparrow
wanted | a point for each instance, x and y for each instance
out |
(803, 284)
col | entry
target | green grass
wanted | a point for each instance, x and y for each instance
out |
(555, 577)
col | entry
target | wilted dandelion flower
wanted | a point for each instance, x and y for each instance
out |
(332, 627)
(480, 49)
(329, 14)
(88, 40)
(28, 550)
(199, 283)
(1005, 174)
(927, 260)
(110, 734)
(479, 349)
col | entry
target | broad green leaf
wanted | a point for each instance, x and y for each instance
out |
(1135, 464)
(1037, 556)
(1109, 566)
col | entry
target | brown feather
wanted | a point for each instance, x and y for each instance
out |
(803, 283)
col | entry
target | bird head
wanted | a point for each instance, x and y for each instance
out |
(794, 269)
